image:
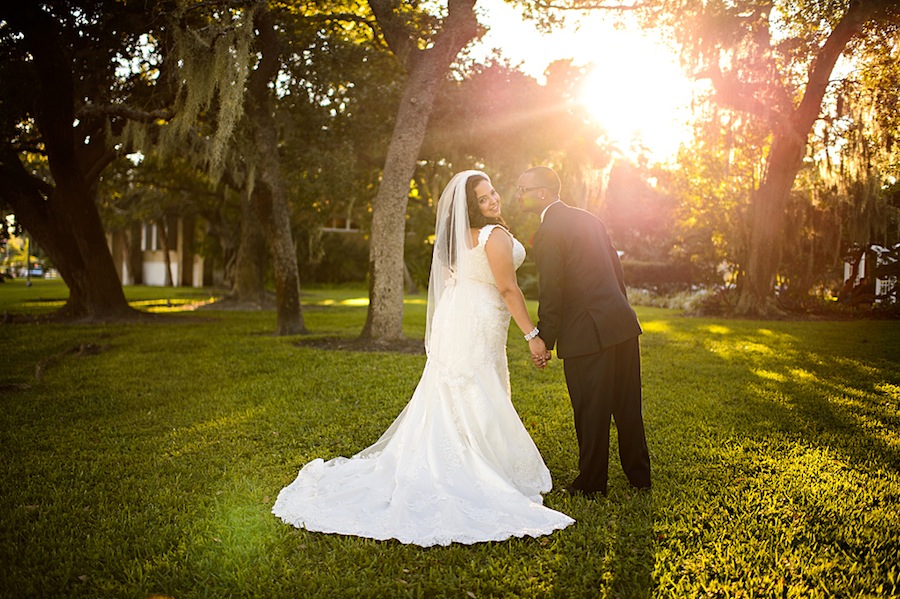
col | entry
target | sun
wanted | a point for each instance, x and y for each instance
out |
(636, 91)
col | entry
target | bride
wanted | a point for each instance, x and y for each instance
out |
(457, 465)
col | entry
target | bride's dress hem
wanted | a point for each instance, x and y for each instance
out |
(435, 541)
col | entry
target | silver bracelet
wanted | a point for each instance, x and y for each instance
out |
(534, 333)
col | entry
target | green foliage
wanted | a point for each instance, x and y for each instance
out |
(334, 94)
(213, 64)
(714, 187)
(686, 301)
(14, 256)
(496, 118)
(658, 276)
(150, 468)
(335, 258)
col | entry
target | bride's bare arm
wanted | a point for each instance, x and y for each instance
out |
(499, 253)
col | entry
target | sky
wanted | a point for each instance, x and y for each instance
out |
(636, 90)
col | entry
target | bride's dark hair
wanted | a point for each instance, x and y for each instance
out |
(445, 243)
(476, 218)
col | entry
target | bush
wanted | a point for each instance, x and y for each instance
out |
(661, 277)
(343, 258)
(687, 300)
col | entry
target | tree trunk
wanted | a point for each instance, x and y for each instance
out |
(63, 219)
(186, 267)
(276, 223)
(95, 290)
(766, 226)
(135, 254)
(427, 69)
(161, 226)
(269, 195)
(229, 241)
(384, 319)
(67, 227)
(250, 262)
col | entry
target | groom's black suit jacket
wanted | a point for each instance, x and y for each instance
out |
(582, 306)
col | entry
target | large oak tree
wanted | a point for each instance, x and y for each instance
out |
(60, 98)
(426, 47)
(774, 61)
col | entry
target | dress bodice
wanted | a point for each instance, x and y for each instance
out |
(481, 269)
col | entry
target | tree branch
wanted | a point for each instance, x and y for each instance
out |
(459, 27)
(823, 64)
(593, 6)
(394, 30)
(118, 110)
(342, 16)
(193, 191)
(328, 18)
(16, 180)
(100, 162)
(53, 72)
(28, 149)
(738, 95)
(270, 49)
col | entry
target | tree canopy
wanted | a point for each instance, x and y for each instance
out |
(271, 120)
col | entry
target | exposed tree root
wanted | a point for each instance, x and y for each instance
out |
(82, 349)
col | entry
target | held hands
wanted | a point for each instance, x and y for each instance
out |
(540, 356)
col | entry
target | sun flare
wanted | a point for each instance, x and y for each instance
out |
(637, 93)
(635, 89)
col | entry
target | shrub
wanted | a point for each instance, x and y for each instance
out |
(661, 277)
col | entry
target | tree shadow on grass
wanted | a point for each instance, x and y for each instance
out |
(767, 431)
(844, 404)
(759, 382)
(609, 551)
(631, 573)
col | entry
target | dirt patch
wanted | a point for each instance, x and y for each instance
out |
(233, 304)
(12, 387)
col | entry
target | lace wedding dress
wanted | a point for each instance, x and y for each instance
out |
(457, 465)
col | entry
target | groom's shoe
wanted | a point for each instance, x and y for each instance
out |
(576, 492)
(641, 486)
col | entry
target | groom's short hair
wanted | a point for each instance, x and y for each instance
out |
(545, 176)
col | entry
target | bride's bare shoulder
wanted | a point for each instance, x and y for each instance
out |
(497, 236)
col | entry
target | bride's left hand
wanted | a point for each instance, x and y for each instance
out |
(539, 354)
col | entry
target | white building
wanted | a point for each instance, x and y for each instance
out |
(873, 257)
(142, 247)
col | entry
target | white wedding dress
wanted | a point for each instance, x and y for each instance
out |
(457, 465)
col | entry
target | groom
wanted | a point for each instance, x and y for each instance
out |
(584, 312)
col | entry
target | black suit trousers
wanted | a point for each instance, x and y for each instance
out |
(602, 386)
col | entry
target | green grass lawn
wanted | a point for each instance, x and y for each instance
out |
(147, 464)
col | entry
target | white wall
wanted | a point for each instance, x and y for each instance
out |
(155, 271)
